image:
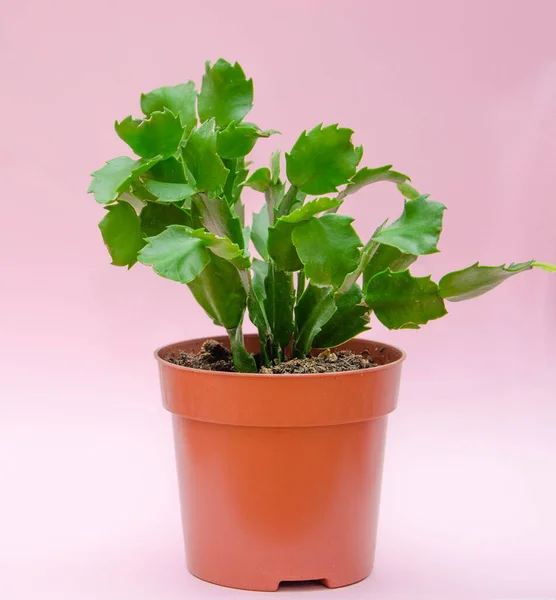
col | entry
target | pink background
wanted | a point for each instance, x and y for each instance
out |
(461, 96)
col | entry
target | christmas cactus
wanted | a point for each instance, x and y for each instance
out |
(178, 208)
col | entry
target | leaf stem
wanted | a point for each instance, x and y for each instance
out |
(231, 165)
(321, 310)
(244, 361)
(366, 254)
(265, 348)
(269, 199)
(544, 266)
(341, 195)
(300, 284)
(287, 201)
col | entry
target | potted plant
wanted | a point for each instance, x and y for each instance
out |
(279, 436)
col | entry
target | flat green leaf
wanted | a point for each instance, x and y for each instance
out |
(176, 254)
(121, 232)
(401, 301)
(169, 192)
(218, 289)
(238, 140)
(280, 247)
(169, 170)
(323, 159)
(216, 215)
(158, 134)
(418, 229)
(223, 247)
(226, 94)
(259, 180)
(260, 271)
(314, 309)
(350, 319)
(259, 233)
(280, 244)
(137, 195)
(116, 176)
(386, 257)
(366, 176)
(279, 303)
(180, 99)
(328, 247)
(205, 168)
(257, 298)
(477, 280)
(155, 218)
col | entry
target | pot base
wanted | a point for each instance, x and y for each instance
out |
(263, 584)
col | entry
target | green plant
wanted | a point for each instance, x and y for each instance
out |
(178, 208)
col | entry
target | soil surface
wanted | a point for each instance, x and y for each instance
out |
(215, 357)
(212, 357)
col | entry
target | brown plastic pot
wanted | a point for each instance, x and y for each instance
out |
(280, 475)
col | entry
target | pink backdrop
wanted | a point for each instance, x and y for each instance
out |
(461, 96)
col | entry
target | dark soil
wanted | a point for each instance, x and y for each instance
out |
(212, 357)
(215, 357)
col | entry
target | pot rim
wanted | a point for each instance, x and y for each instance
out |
(166, 348)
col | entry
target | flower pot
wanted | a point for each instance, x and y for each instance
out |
(280, 475)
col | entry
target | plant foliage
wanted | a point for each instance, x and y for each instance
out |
(177, 207)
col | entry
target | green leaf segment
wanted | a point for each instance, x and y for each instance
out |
(181, 100)
(157, 135)
(477, 280)
(323, 159)
(226, 95)
(177, 207)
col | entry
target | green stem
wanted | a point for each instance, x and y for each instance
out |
(265, 351)
(300, 284)
(315, 308)
(277, 353)
(366, 254)
(244, 361)
(334, 209)
(287, 201)
(257, 312)
(341, 195)
(280, 296)
(231, 165)
(545, 266)
(270, 205)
